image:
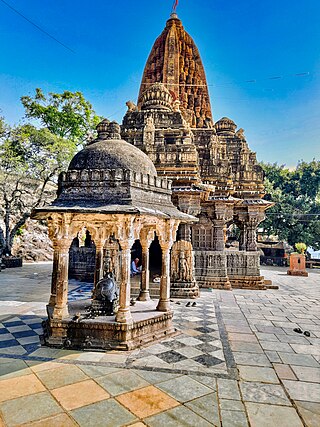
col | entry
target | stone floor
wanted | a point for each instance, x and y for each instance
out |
(237, 362)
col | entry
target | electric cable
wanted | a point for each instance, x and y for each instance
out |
(36, 26)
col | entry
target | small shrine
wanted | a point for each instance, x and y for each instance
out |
(112, 189)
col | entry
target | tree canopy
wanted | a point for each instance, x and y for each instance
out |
(296, 193)
(31, 157)
(68, 114)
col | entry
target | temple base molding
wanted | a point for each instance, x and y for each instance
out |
(248, 282)
(184, 290)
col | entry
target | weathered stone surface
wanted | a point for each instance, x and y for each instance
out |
(33, 245)
(271, 415)
(179, 66)
(214, 174)
(116, 206)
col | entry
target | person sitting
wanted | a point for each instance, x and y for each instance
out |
(135, 268)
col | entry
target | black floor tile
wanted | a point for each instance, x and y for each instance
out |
(171, 356)
(204, 338)
(207, 348)
(8, 343)
(35, 325)
(207, 360)
(31, 347)
(174, 345)
(22, 334)
(12, 324)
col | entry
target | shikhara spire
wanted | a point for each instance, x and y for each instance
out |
(175, 61)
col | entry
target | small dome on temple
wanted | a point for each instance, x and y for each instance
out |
(108, 130)
(108, 151)
(157, 96)
(103, 126)
(225, 125)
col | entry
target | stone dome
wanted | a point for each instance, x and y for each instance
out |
(225, 125)
(106, 153)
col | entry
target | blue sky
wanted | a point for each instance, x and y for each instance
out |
(239, 41)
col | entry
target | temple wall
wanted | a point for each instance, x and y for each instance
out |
(222, 270)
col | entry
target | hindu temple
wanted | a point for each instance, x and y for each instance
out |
(214, 174)
(184, 191)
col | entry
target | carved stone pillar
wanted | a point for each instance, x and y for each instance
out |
(218, 235)
(58, 304)
(164, 301)
(248, 224)
(251, 236)
(98, 273)
(144, 291)
(253, 222)
(184, 232)
(243, 237)
(124, 314)
(55, 268)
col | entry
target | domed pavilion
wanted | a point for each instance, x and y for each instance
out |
(112, 189)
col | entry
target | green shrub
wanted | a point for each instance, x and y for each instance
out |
(301, 247)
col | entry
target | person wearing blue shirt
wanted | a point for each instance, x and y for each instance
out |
(135, 269)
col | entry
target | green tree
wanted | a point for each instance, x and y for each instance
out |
(296, 193)
(68, 114)
(31, 157)
(30, 160)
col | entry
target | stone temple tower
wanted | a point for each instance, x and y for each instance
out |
(215, 176)
(175, 61)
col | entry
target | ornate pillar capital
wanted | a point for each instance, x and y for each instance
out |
(248, 222)
(61, 245)
(146, 237)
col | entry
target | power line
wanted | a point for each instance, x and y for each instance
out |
(303, 74)
(36, 26)
(291, 214)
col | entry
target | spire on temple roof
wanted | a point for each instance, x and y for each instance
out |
(175, 61)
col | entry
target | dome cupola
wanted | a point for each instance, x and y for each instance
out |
(225, 125)
(108, 151)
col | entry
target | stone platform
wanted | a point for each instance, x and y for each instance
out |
(148, 325)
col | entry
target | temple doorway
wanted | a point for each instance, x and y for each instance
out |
(82, 257)
(155, 259)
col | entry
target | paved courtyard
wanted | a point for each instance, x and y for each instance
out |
(237, 361)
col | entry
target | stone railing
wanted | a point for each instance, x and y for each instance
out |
(219, 264)
(243, 263)
(112, 175)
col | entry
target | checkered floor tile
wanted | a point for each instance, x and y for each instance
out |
(84, 291)
(198, 348)
(20, 334)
